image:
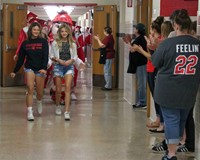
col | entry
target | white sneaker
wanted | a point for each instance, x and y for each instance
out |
(67, 116)
(58, 110)
(73, 96)
(30, 116)
(39, 107)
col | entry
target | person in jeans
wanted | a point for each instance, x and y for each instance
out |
(108, 44)
(187, 143)
(34, 52)
(137, 64)
(63, 53)
(178, 62)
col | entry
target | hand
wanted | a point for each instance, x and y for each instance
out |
(82, 67)
(12, 75)
(15, 57)
(135, 48)
(54, 59)
(96, 37)
(42, 71)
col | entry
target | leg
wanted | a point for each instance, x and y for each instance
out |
(40, 79)
(58, 83)
(174, 126)
(68, 83)
(141, 85)
(190, 132)
(30, 79)
(108, 73)
(39, 86)
(151, 84)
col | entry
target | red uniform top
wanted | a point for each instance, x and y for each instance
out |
(80, 45)
(88, 39)
(150, 68)
(21, 38)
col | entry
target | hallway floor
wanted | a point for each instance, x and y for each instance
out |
(103, 126)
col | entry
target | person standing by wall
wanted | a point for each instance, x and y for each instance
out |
(64, 54)
(178, 62)
(36, 52)
(108, 44)
(137, 64)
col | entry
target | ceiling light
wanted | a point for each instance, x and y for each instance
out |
(52, 11)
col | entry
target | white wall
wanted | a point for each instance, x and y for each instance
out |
(127, 15)
(156, 9)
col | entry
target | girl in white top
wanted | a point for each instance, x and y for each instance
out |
(63, 54)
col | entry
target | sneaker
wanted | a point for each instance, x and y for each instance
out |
(106, 89)
(167, 158)
(30, 116)
(73, 96)
(67, 116)
(39, 107)
(183, 148)
(58, 110)
(159, 147)
(139, 106)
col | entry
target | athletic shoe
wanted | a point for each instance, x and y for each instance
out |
(167, 158)
(39, 107)
(30, 116)
(106, 89)
(67, 116)
(183, 148)
(58, 110)
(159, 147)
(139, 106)
(73, 96)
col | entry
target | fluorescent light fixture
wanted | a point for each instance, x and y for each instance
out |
(52, 11)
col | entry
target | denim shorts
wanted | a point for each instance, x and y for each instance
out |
(35, 72)
(61, 71)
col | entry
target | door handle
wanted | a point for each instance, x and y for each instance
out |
(10, 48)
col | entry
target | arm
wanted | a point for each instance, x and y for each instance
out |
(140, 50)
(20, 61)
(99, 42)
(45, 54)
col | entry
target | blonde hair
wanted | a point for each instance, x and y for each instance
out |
(69, 36)
(166, 28)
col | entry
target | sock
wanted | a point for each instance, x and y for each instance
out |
(29, 108)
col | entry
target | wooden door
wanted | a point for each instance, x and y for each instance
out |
(104, 16)
(144, 15)
(14, 19)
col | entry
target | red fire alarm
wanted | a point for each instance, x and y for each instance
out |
(129, 3)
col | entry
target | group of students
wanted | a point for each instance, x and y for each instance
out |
(65, 51)
(34, 54)
(173, 76)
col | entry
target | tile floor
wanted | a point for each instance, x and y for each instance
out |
(103, 126)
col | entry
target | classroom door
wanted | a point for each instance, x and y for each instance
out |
(104, 16)
(14, 16)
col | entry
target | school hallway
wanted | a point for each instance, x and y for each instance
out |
(103, 126)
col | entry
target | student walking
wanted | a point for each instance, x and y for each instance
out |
(34, 52)
(63, 53)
